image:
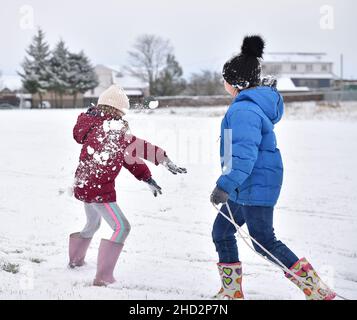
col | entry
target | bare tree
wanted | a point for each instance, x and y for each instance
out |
(148, 58)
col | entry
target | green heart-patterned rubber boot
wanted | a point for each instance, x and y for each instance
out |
(314, 288)
(231, 277)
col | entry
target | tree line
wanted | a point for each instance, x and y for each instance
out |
(151, 59)
(59, 71)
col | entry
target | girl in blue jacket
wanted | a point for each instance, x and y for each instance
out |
(253, 175)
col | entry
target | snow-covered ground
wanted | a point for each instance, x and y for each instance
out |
(169, 253)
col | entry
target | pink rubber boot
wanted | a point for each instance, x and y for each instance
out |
(108, 255)
(314, 288)
(78, 247)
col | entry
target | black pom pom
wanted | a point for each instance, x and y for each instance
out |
(253, 46)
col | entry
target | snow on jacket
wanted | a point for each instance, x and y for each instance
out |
(251, 162)
(107, 147)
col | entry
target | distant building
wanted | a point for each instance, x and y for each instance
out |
(107, 76)
(10, 83)
(346, 84)
(11, 91)
(286, 85)
(311, 70)
(10, 86)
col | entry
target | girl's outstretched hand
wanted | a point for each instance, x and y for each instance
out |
(154, 187)
(173, 168)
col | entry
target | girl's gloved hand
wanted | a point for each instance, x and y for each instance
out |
(173, 168)
(154, 187)
(219, 196)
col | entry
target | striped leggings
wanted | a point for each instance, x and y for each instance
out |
(112, 214)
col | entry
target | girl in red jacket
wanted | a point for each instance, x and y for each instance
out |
(107, 147)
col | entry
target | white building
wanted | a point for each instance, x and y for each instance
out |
(312, 70)
(11, 92)
(107, 76)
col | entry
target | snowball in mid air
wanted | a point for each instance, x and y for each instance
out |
(153, 104)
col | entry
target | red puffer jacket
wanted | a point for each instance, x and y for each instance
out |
(107, 147)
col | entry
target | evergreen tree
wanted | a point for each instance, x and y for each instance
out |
(36, 70)
(60, 71)
(170, 81)
(205, 83)
(82, 76)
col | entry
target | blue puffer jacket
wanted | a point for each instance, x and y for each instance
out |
(251, 163)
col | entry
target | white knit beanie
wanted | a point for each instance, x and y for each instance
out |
(115, 97)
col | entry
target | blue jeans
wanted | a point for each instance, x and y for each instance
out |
(260, 225)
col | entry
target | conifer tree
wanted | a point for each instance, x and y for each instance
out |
(60, 71)
(170, 81)
(36, 72)
(82, 76)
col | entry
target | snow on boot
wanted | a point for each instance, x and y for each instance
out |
(78, 247)
(313, 287)
(231, 277)
(108, 255)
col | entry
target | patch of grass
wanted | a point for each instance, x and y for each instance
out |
(36, 260)
(10, 267)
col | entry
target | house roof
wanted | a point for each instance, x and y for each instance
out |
(128, 82)
(328, 76)
(132, 93)
(296, 57)
(124, 79)
(287, 85)
(109, 75)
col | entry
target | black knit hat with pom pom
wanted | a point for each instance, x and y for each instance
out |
(244, 70)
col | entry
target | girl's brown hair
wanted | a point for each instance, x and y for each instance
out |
(108, 110)
(115, 114)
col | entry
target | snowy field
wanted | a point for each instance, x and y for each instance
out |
(169, 253)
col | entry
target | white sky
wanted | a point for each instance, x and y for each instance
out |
(204, 33)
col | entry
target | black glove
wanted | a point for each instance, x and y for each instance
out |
(154, 187)
(173, 168)
(219, 196)
(269, 81)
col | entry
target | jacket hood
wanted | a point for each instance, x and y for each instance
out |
(93, 118)
(85, 123)
(268, 99)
